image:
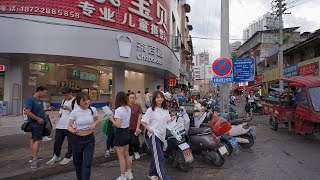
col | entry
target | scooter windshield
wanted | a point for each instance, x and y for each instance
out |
(315, 98)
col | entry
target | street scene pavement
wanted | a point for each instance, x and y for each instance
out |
(275, 155)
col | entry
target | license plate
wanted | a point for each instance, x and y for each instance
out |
(253, 134)
(223, 150)
(187, 154)
(184, 146)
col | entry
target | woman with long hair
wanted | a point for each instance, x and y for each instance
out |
(82, 123)
(121, 120)
(155, 120)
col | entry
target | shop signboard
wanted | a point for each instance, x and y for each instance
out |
(291, 71)
(271, 75)
(88, 76)
(45, 67)
(144, 17)
(309, 69)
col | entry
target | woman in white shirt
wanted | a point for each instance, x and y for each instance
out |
(82, 123)
(155, 120)
(121, 141)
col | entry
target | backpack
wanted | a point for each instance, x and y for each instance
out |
(72, 103)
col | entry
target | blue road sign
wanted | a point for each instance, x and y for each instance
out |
(243, 69)
(222, 80)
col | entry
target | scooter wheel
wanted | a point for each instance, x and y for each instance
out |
(247, 145)
(216, 159)
(180, 162)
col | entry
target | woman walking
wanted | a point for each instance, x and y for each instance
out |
(82, 123)
(147, 98)
(121, 120)
(155, 120)
(135, 121)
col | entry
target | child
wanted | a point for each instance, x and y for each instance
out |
(109, 130)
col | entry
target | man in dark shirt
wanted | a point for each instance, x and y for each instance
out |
(35, 111)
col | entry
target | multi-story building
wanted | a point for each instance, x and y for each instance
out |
(201, 58)
(234, 47)
(266, 22)
(99, 47)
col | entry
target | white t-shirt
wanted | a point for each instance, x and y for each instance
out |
(83, 119)
(123, 113)
(251, 98)
(65, 114)
(157, 120)
(148, 97)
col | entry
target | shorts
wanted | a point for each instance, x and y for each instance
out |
(37, 131)
(121, 137)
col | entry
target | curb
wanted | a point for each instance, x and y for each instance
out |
(50, 171)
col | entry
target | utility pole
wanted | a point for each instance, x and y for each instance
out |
(224, 52)
(280, 9)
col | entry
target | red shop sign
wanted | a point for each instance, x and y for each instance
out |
(149, 18)
(309, 70)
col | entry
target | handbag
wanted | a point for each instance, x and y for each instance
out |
(47, 126)
(26, 126)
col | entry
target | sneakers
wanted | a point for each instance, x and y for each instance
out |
(107, 153)
(39, 159)
(112, 150)
(34, 164)
(136, 155)
(66, 161)
(54, 159)
(121, 178)
(153, 177)
(129, 176)
(46, 138)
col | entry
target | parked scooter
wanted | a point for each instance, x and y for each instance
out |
(178, 151)
(256, 107)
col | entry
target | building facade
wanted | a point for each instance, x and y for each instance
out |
(99, 47)
(266, 22)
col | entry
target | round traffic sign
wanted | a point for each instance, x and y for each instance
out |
(222, 66)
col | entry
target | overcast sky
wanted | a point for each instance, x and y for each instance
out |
(205, 19)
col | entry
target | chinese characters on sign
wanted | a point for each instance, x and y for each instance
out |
(149, 53)
(222, 80)
(309, 70)
(243, 69)
(148, 18)
(291, 71)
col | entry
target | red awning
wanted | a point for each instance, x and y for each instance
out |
(306, 81)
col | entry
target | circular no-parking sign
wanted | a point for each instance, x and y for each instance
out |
(222, 66)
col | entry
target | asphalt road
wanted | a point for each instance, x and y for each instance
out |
(276, 155)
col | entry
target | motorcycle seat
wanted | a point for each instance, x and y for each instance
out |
(236, 122)
(195, 131)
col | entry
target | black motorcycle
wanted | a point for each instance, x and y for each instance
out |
(178, 153)
(203, 143)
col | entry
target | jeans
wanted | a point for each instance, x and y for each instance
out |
(82, 150)
(109, 140)
(134, 145)
(58, 141)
